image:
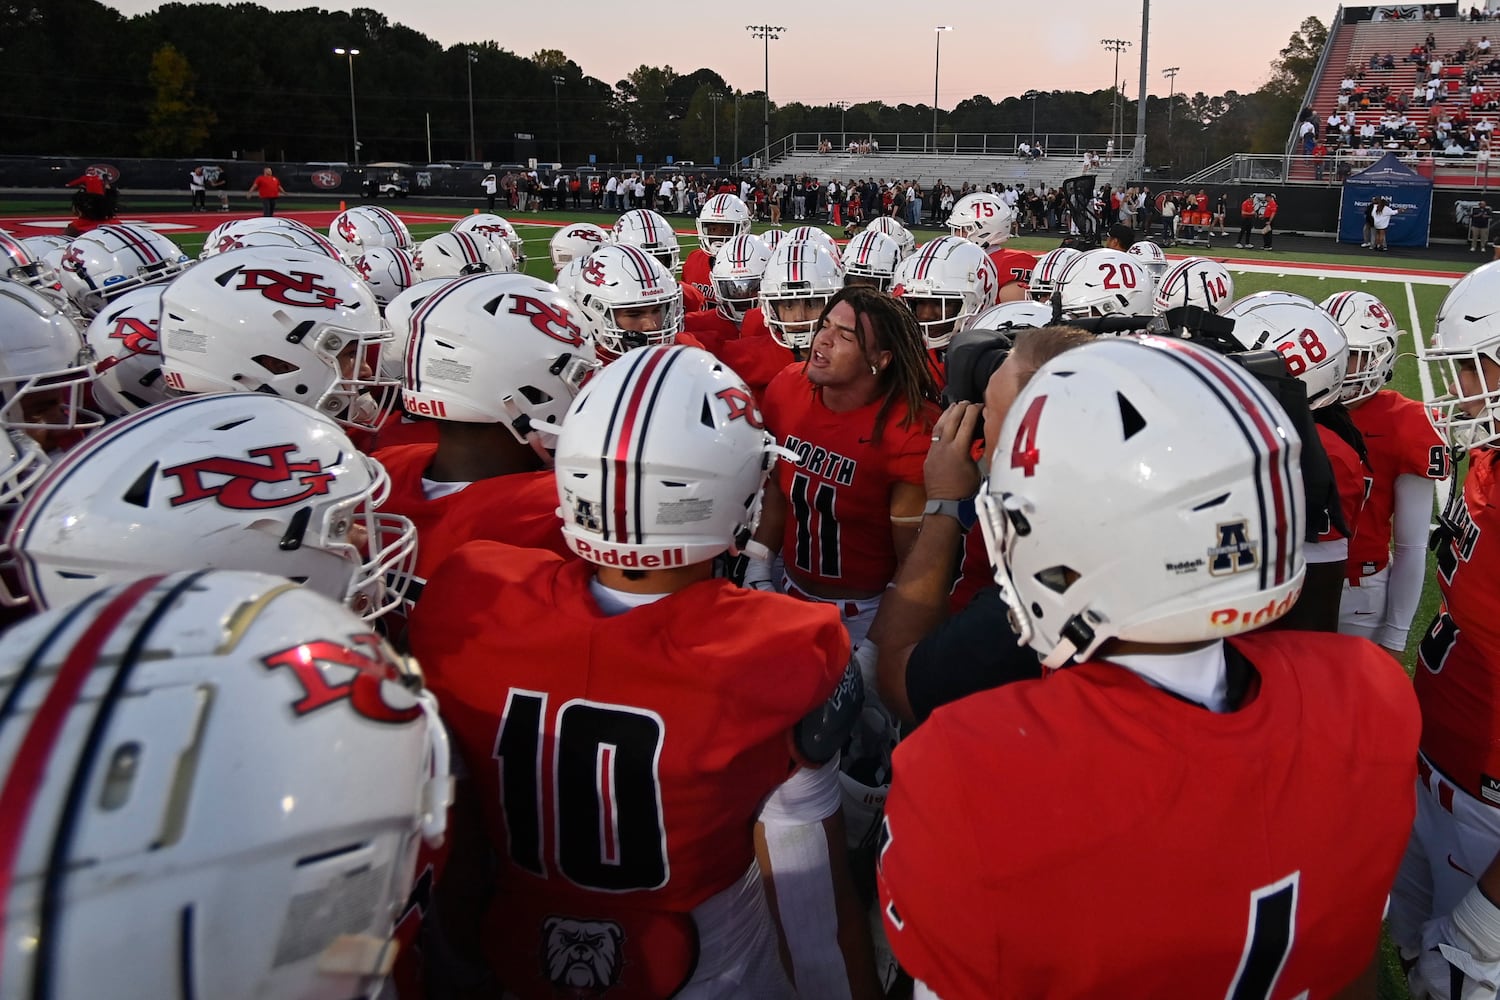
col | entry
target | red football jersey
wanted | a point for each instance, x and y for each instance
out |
(620, 761)
(695, 272)
(1352, 479)
(838, 526)
(518, 509)
(1400, 441)
(711, 329)
(1091, 835)
(755, 357)
(1458, 672)
(692, 297)
(974, 572)
(1013, 265)
(399, 429)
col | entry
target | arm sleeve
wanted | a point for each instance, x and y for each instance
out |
(973, 651)
(1412, 516)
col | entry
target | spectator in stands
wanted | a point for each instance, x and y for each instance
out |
(1388, 61)
(1320, 160)
(1307, 133)
(1482, 47)
(1417, 55)
(1346, 85)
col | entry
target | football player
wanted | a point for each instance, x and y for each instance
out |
(1405, 454)
(628, 299)
(1316, 353)
(724, 216)
(1008, 866)
(946, 284)
(1439, 914)
(641, 732)
(493, 360)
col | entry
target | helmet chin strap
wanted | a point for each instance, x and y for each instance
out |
(532, 430)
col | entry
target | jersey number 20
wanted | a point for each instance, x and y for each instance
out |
(604, 797)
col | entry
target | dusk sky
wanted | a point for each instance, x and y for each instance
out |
(878, 50)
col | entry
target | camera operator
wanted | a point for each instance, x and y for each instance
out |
(923, 660)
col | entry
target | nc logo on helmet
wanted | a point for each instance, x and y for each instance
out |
(138, 336)
(741, 406)
(593, 273)
(347, 229)
(555, 321)
(323, 670)
(237, 490)
(282, 288)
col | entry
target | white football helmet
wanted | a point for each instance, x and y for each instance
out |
(111, 260)
(946, 284)
(40, 246)
(22, 465)
(1022, 313)
(1312, 345)
(772, 238)
(1466, 333)
(453, 255)
(641, 227)
(578, 240)
(217, 756)
(695, 441)
(497, 349)
(1194, 281)
(398, 318)
(20, 264)
(1104, 282)
(125, 338)
(1152, 258)
(723, 218)
(893, 228)
(287, 322)
(981, 218)
(1372, 334)
(388, 271)
(496, 230)
(736, 275)
(228, 481)
(45, 366)
(871, 256)
(799, 280)
(1048, 268)
(364, 227)
(819, 237)
(214, 242)
(1152, 494)
(629, 300)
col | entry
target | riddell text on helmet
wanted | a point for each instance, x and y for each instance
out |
(608, 556)
(1269, 613)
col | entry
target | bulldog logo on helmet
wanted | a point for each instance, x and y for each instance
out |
(280, 287)
(237, 491)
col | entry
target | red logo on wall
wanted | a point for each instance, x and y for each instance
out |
(108, 171)
(326, 179)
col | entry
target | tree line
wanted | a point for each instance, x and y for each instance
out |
(219, 80)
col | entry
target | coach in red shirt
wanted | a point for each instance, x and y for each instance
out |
(268, 189)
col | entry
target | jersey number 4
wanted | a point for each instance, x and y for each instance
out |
(604, 796)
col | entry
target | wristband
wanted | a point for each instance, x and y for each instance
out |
(961, 511)
(757, 550)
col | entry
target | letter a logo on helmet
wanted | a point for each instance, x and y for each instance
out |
(238, 492)
(279, 287)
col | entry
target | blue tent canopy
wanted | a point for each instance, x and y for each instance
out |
(1409, 192)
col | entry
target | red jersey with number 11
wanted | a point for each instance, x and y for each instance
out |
(1091, 835)
(838, 498)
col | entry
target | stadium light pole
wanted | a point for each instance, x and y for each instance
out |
(557, 82)
(1032, 95)
(1115, 45)
(469, 59)
(716, 99)
(937, 57)
(1171, 74)
(353, 114)
(736, 131)
(843, 107)
(770, 33)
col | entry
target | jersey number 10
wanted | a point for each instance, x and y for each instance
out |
(604, 796)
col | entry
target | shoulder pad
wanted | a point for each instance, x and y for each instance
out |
(822, 732)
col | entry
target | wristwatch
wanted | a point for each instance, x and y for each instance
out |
(961, 511)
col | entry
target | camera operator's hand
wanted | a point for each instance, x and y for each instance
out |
(950, 472)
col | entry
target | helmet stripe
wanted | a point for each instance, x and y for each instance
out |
(418, 323)
(622, 440)
(30, 766)
(1272, 457)
(133, 242)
